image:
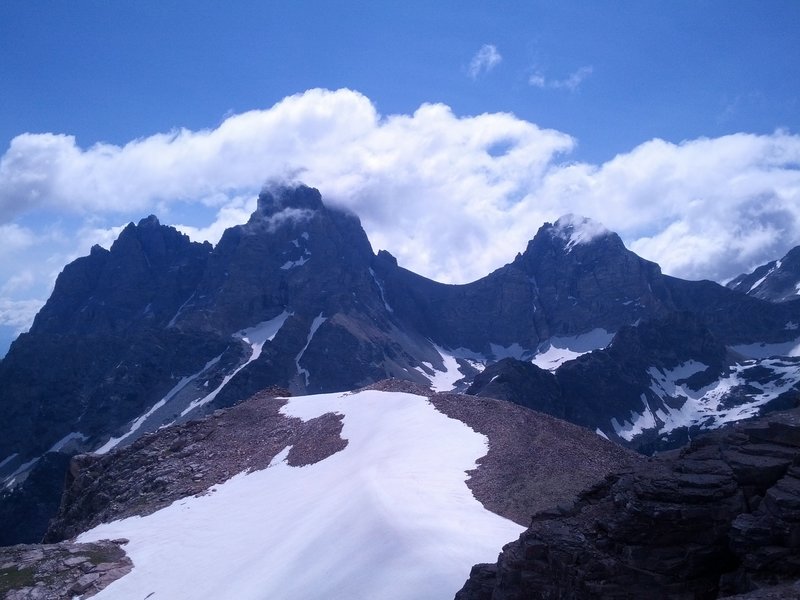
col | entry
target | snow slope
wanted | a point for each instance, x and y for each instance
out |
(388, 517)
(560, 349)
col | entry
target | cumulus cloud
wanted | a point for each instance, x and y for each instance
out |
(234, 211)
(18, 314)
(569, 83)
(485, 59)
(452, 197)
(402, 174)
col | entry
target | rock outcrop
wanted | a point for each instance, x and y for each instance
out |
(61, 571)
(720, 517)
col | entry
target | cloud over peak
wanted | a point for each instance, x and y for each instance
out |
(452, 197)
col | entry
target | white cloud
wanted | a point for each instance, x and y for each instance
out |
(452, 197)
(21, 281)
(16, 238)
(485, 59)
(18, 313)
(235, 212)
(570, 83)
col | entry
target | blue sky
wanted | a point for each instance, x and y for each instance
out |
(114, 71)
(675, 123)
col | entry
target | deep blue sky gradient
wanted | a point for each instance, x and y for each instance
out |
(115, 71)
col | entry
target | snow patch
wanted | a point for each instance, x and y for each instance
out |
(20, 471)
(380, 290)
(291, 264)
(180, 310)
(445, 380)
(115, 441)
(388, 517)
(8, 459)
(256, 337)
(554, 352)
(706, 407)
(67, 441)
(318, 320)
(637, 423)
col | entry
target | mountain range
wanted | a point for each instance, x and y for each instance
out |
(159, 331)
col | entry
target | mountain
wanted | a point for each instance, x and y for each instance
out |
(159, 330)
(655, 386)
(776, 281)
(353, 495)
(720, 517)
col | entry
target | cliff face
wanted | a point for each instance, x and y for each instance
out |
(721, 516)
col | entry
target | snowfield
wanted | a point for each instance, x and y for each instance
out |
(557, 350)
(388, 517)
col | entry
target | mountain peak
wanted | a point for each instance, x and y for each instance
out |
(575, 230)
(274, 199)
(150, 221)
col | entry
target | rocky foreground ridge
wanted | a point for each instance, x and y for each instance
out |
(533, 461)
(717, 518)
(64, 570)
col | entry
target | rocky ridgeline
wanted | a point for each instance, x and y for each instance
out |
(776, 281)
(720, 517)
(60, 571)
(187, 460)
(534, 461)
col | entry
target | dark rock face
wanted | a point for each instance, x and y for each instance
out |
(26, 509)
(96, 351)
(717, 518)
(522, 383)
(776, 281)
